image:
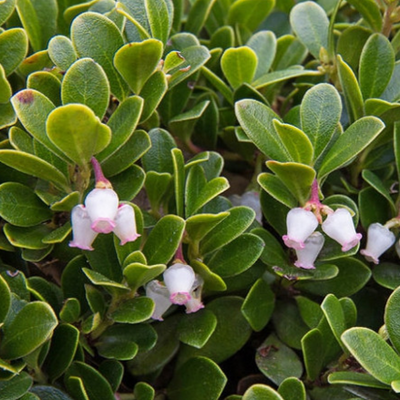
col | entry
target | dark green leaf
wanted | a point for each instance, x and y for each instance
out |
(186, 381)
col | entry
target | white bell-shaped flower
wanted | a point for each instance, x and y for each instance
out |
(195, 304)
(379, 239)
(300, 225)
(160, 295)
(179, 279)
(307, 256)
(339, 226)
(125, 224)
(83, 234)
(102, 207)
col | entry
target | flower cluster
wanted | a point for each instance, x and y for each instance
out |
(181, 286)
(302, 237)
(102, 213)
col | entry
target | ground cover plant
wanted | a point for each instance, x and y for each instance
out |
(199, 199)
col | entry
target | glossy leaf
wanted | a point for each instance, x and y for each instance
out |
(370, 12)
(237, 256)
(376, 66)
(186, 383)
(62, 52)
(198, 15)
(93, 382)
(230, 228)
(222, 344)
(296, 142)
(76, 130)
(62, 350)
(29, 329)
(196, 329)
(292, 389)
(5, 294)
(373, 353)
(164, 239)
(239, 65)
(391, 319)
(86, 83)
(320, 113)
(277, 361)
(311, 344)
(153, 92)
(86, 29)
(137, 61)
(13, 48)
(256, 119)
(297, 177)
(259, 305)
(34, 166)
(39, 18)
(351, 90)
(134, 311)
(358, 136)
(249, 13)
(387, 275)
(16, 387)
(20, 206)
(264, 45)
(197, 226)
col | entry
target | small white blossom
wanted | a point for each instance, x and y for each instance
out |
(83, 234)
(339, 226)
(179, 279)
(300, 225)
(102, 207)
(307, 256)
(379, 239)
(160, 295)
(125, 224)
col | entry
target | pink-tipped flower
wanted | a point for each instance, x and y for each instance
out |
(195, 304)
(307, 256)
(160, 295)
(339, 226)
(102, 207)
(379, 240)
(83, 235)
(125, 224)
(300, 225)
(179, 279)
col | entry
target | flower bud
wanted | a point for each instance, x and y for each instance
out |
(300, 225)
(339, 226)
(307, 256)
(379, 239)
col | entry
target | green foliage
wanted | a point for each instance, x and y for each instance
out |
(210, 119)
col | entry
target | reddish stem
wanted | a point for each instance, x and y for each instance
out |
(101, 181)
(179, 254)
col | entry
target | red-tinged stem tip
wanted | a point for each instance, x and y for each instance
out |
(101, 181)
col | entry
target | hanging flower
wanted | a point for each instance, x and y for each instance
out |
(125, 224)
(179, 279)
(312, 246)
(83, 234)
(160, 295)
(339, 226)
(102, 213)
(379, 240)
(300, 225)
(102, 207)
